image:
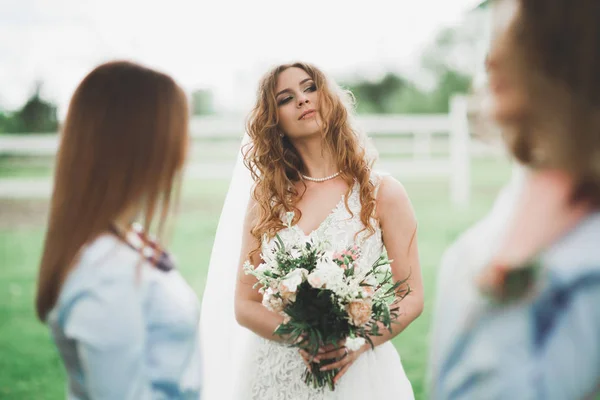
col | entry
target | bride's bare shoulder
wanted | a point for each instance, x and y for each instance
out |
(392, 197)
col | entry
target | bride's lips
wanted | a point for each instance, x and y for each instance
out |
(308, 114)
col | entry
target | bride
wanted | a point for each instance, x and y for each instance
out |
(304, 156)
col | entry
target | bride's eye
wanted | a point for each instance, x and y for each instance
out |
(283, 101)
(311, 88)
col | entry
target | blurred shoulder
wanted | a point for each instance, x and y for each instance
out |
(577, 254)
(106, 262)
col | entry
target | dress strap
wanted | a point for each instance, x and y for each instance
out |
(376, 178)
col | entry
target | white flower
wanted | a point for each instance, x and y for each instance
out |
(368, 291)
(384, 269)
(248, 267)
(327, 256)
(268, 255)
(262, 267)
(326, 263)
(354, 344)
(292, 280)
(295, 253)
(271, 301)
(289, 217)
(328, 275)
(370, 280)
(316, 280)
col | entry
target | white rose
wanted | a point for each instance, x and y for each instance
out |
(335, 277)
(328, 274)
(292, 280)
(315, 279)
(354, 344)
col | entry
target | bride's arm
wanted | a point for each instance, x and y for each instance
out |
(249, 311)
(399, 227)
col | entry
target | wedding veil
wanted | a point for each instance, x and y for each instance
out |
(222, 338)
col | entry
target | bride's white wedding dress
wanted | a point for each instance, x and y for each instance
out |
(237, 364)
(272, 371)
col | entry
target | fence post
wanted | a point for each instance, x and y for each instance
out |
(460, 157)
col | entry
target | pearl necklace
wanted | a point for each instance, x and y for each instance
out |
(308, 178)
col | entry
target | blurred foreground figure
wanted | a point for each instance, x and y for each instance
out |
(124, 321)
(517, 314)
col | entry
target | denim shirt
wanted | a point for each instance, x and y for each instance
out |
(545, 346)
(126, 329)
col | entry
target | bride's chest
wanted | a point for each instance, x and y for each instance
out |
(341, 228)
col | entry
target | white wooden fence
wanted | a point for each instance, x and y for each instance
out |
(409, 141)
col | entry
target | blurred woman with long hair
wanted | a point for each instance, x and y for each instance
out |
(124, 321)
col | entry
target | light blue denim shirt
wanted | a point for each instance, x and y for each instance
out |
(125, 329)
(546, 346)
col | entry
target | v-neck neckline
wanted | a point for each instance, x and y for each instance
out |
(330, 215)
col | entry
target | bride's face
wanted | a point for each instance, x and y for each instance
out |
(297, 100)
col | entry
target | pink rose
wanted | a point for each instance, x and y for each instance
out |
(359, 312)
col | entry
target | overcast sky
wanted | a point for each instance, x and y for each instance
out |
(224, 45)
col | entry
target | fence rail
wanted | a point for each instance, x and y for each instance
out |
(431, 145)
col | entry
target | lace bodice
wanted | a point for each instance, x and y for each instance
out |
(340, 228)
(279, 368)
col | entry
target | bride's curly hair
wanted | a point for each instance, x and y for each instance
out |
(275, 164)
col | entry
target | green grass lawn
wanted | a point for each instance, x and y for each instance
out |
(25, 167)
(30, 367)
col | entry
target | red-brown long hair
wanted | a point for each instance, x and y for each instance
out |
(122, 147)
(275, 164)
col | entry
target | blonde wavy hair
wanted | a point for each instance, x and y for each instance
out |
(275, 164)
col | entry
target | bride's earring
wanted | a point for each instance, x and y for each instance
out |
(281, 135)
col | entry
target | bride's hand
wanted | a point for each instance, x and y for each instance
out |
(345, 358)
(328, 352)
(307, 358)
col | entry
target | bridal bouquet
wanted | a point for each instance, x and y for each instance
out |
(326, 297)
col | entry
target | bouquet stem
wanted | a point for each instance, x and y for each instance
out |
(319, 379)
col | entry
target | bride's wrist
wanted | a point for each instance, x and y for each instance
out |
(364, 348)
